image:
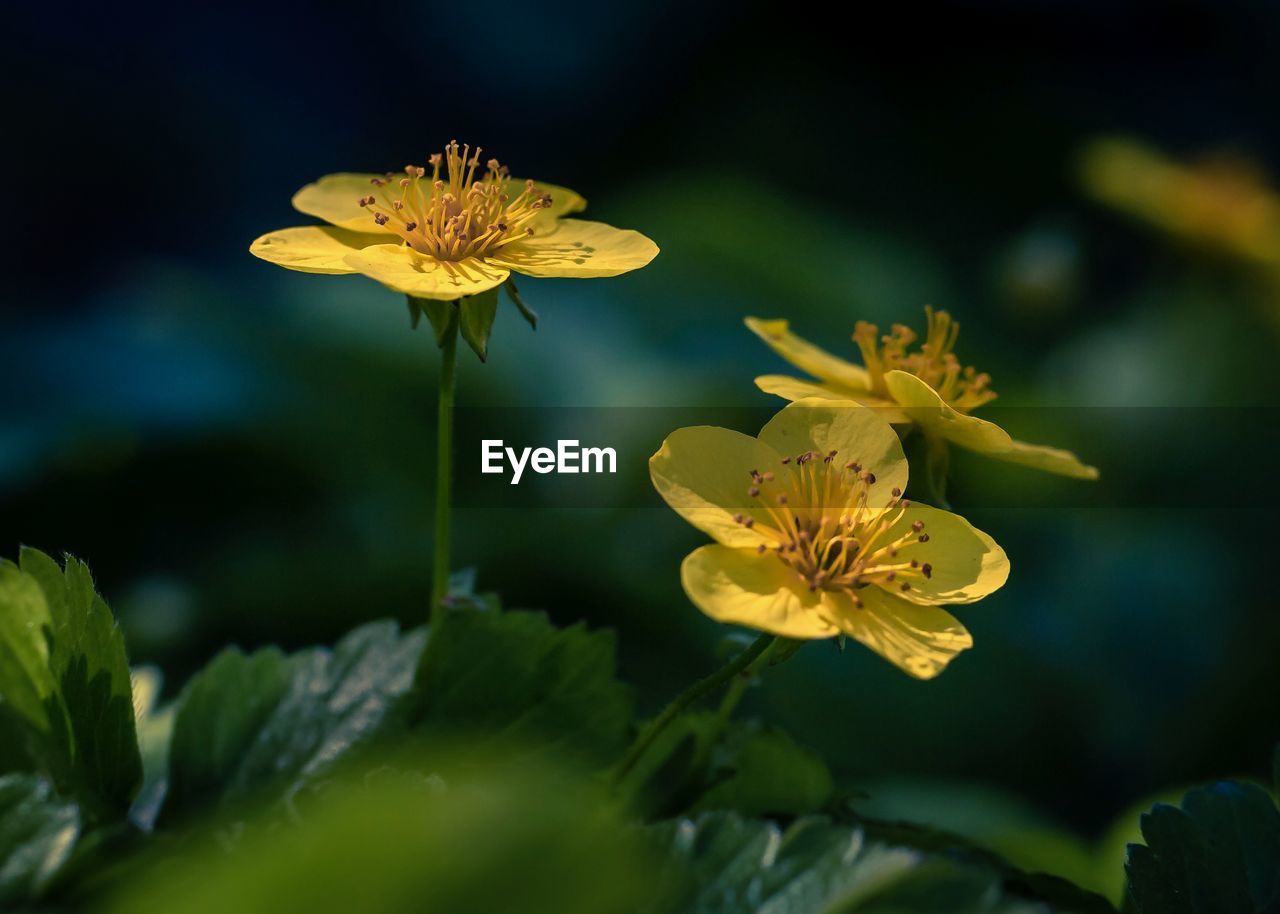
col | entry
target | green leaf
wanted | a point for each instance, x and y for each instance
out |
(475, 320)
(1218, 853)
(765, 772)
(266, 723)
(750, 769)
(514, 840)
(26, 680)
(734, 864)
(724, 863)
(65, 682)
(37, 835)
(515, 676)
(525, 311)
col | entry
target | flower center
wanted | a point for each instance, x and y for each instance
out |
(459, 212)
(816, 516)
(934, 362)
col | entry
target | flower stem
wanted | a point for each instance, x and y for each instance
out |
(707, 684)
(444, 459)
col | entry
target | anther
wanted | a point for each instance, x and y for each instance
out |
(782, 499)
(927, 569)
(905, 587)
(753, 491)
(869, 477)
(924, 537)
(917, 525)
(380, 218)
(896, 492)
(410, 226)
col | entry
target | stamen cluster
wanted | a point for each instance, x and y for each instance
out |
(816, 517)
(458, 213)
(964, 388)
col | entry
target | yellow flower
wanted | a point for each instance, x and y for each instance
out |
(1223, 203)
(461, 232)
(814, 537)
(926, 386)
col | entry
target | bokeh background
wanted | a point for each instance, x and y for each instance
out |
(245, 454)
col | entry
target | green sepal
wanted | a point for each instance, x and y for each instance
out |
(475, 320)
(525, 311)
(415, 311)
(439, 313)
(930, 459)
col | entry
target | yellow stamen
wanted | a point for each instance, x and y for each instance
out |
(933, 362)
(454, 216)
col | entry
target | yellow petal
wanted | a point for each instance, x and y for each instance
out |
(579, 249)
(563, 200)
(312, 248)
(920, 640)
(789, 388)
(703, 473)
(928, 410)
(966, 563)
(924, 406)
(335, 199)
(403, 269)
(1049, 459)
(808, 357)
(855, 432)
(743, 587)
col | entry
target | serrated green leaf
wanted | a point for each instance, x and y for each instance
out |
(750, 769)
(475, 320)
(736, 865)
(60, 646)
(765, 772)
(1218, 853)
(26, 680)
(515, 676)
(263, 724)
(37, 834)
(725, 864)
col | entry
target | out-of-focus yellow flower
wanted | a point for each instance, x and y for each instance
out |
(462, 231)
(1222, 203)
(814, 537)
(925, 385)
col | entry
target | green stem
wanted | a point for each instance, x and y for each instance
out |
(444, 459)
(707, 684)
